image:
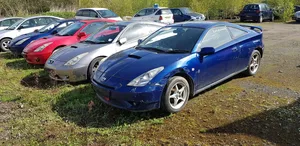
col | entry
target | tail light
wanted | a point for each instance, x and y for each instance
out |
(258, 11)
(160, 18)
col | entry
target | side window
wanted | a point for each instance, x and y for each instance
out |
(93, 14)
(267, 7)
(216, 37)
(134, 32)
(89, 29)
(5, 23)
(86, 13)
(176, 12)
(29, 23)
(41, 21)
(158, 12)
(141, 13)
(236, 32)
(263, 7)
(79, 13)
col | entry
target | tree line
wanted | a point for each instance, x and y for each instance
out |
(213, 9)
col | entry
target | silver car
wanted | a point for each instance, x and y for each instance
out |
(78, 62)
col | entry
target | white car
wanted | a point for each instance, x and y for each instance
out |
(95, 13)
(24, 26)
(6, 22)
(156, 14)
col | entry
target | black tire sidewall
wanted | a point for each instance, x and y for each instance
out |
(3, 40)
(90, 69)
(165, 104)
(248, 71)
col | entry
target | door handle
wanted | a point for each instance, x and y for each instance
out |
(234, 49)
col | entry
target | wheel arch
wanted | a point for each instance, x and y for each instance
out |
(87, 71)
(60, 46)
(5, 38)
(260, 51)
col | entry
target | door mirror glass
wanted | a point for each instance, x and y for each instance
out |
(207, 51)
(20, 27)
(140, 41)
(122, 41)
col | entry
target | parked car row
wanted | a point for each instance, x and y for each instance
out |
(139, 65)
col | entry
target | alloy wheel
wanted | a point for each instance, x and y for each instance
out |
(178, 95)
(255, 62)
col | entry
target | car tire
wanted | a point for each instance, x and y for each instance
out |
(260, 19)
(242, 20)
(93, 66)
(176, 95)
(4, 44)
(272, 18)
(254, 63)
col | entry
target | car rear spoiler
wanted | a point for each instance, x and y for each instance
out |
(255, 28)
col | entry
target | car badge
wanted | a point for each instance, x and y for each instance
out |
(51, 61)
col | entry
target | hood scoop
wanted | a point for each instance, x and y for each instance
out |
(134, 56)
(74, 47)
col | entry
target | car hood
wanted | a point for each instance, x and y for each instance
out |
(54, 39)
(32, 35)
(129, 64)
(72, 51)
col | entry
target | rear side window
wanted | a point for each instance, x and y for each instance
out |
(176, 12)
(93, 27)
(5, 23)
(86, 13)
(107, 13)
(216, 37)
(93, 14)
(164, 11)
(236, 32)
(79, 13)
(251, 7)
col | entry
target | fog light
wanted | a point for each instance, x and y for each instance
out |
(37, 60)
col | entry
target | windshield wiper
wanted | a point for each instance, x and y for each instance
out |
(88, 41)
(177, 51)
(150, 49)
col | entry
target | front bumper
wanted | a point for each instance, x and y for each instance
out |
(58, 71)
(249, 17)
(129, 98)
(36, 57)
(17, 50)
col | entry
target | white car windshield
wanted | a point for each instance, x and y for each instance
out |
(172, 40)
(12, 27)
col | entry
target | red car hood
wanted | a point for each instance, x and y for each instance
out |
(56, 41)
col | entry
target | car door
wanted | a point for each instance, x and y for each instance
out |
(270, 11)
(177, 15)
(94, 15)
(220, 64)
(264, 11)
(28, 26)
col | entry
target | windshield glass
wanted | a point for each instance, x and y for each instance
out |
(186, 10)
(105, 35)
(12, 27)
(48, 27)
(107, 13)
(70, 30)
(172, 40)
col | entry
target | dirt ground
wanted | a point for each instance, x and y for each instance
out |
(259, 110)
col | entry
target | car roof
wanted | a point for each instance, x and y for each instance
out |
(198, 24)
(42, 16)
(256, 4)
(6, 18)
(93, 9)
(97, 20)
(157, 8)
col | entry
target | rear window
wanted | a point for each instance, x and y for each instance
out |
(251, 7)
(145, 12)
(107, 13)
(236, 32)
(164, 11)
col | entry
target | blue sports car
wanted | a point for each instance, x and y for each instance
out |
(177, 62)
(17, 45)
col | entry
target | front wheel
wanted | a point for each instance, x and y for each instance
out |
(254, 63)
(94, 66)
(4, 44)
(176, 95)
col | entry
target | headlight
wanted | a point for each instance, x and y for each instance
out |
(41, 48)
(145, 78)
(21, 41)
(74, 60)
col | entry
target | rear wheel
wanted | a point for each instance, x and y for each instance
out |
(272, 18)
(254, 63)
(260, 20)
(176, 95)
(94, 66)
(4, 44)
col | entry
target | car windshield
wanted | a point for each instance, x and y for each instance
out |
(70, 30)
(107, 13)
(186, 10)
(105, 35)
(251, 7)
(12, 27)
(172, 40)
(48, 27)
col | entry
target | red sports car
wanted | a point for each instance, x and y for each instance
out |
(40, 50)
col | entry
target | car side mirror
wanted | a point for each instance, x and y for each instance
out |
(122, 41)
(81, 34)
(54, 32)
(140, 41)
(36, 30)
(207, 51)
(20, 27)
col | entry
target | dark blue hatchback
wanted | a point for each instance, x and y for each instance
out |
(256, 12)
(177, 62)
(186, 14)
(18, 44)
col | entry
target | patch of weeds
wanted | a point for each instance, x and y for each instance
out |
(203, 130)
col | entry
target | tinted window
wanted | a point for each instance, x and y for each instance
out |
(216, 37)
(145, 12)
(176, 12)
(48, 27)
(163, 11)
(107, 13)
(41, 21)
(251, 7)
(5, 23)
(106, 34)
(79, 13)
(136, 32)
(71, 30)
(89, 29)
(12, 27)
(186, 10)
(29, 23)
(93, 14)
(236, 32)
(173, 39)
(86, 13)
